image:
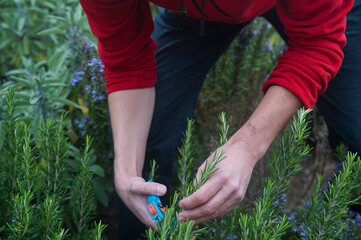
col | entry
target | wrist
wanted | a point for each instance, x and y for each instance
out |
(270, 117)
(248, 137)
(125, 169)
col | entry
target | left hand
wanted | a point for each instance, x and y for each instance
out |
(225, 188)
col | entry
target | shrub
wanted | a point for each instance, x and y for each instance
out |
(324, 217)
(41, 197)
(46, 46)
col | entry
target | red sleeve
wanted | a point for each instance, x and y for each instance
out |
(123, 29)
(316, 31)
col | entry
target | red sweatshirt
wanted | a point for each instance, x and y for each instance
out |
(315, 28)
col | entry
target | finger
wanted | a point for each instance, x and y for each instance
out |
(203, 194)
(139, 208)
(211, 209)
(147, 188)
(223, 210)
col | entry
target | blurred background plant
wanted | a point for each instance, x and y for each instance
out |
(49, 58)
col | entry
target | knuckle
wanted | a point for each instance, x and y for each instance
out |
(239, 197)
(222, 178)
(209, 210)
(217, 214)
(200, 198)
(233, 188)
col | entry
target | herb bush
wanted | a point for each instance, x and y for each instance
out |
(325, 216)
(42, 197)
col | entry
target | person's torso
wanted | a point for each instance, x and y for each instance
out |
(231, 11)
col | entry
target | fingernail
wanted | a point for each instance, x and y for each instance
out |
(161, 190)
(180, 218)
(181, 206)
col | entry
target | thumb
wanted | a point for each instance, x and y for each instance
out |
(148, 188)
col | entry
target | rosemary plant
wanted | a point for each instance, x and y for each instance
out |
(266, 221)
(328, 221)
(34, 188)
(83, 195)
(185, 162)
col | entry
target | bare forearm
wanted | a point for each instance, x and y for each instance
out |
(272, 114)
(131, 114)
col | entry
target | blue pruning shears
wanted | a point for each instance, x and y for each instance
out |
(156, 209)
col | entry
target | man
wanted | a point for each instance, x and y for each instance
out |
(190, 38)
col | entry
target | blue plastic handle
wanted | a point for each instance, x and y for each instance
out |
(155, 203)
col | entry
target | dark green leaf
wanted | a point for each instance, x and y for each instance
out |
(96, 169)
(66, 102)
(4, 42)
(57, 60)
(34, 99)
(54, 30)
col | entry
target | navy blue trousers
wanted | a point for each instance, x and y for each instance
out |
(184, 58)
(340, 105)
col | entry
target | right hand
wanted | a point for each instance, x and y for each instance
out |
(133, 191)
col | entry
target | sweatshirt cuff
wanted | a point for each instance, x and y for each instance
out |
(297, 88)
(116, 81)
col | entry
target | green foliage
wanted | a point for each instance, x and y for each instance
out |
(83, 198)
(153, 169)
(37, 185)
(34, 28)
(185, 160)
(324, 217)
(168, 229)
(44, 46)
(53, 152)
(22, 216)
(50, 218)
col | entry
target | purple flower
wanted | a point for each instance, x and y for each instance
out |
(93, 61)
(99, 97)
(81, 123)
(232, 236)
(78, 76)
(308, 203)
(87, 88)
(303, 231)
(358, 220)
(88, 46)
(96, 62)
(283, 197)
(267, 48)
